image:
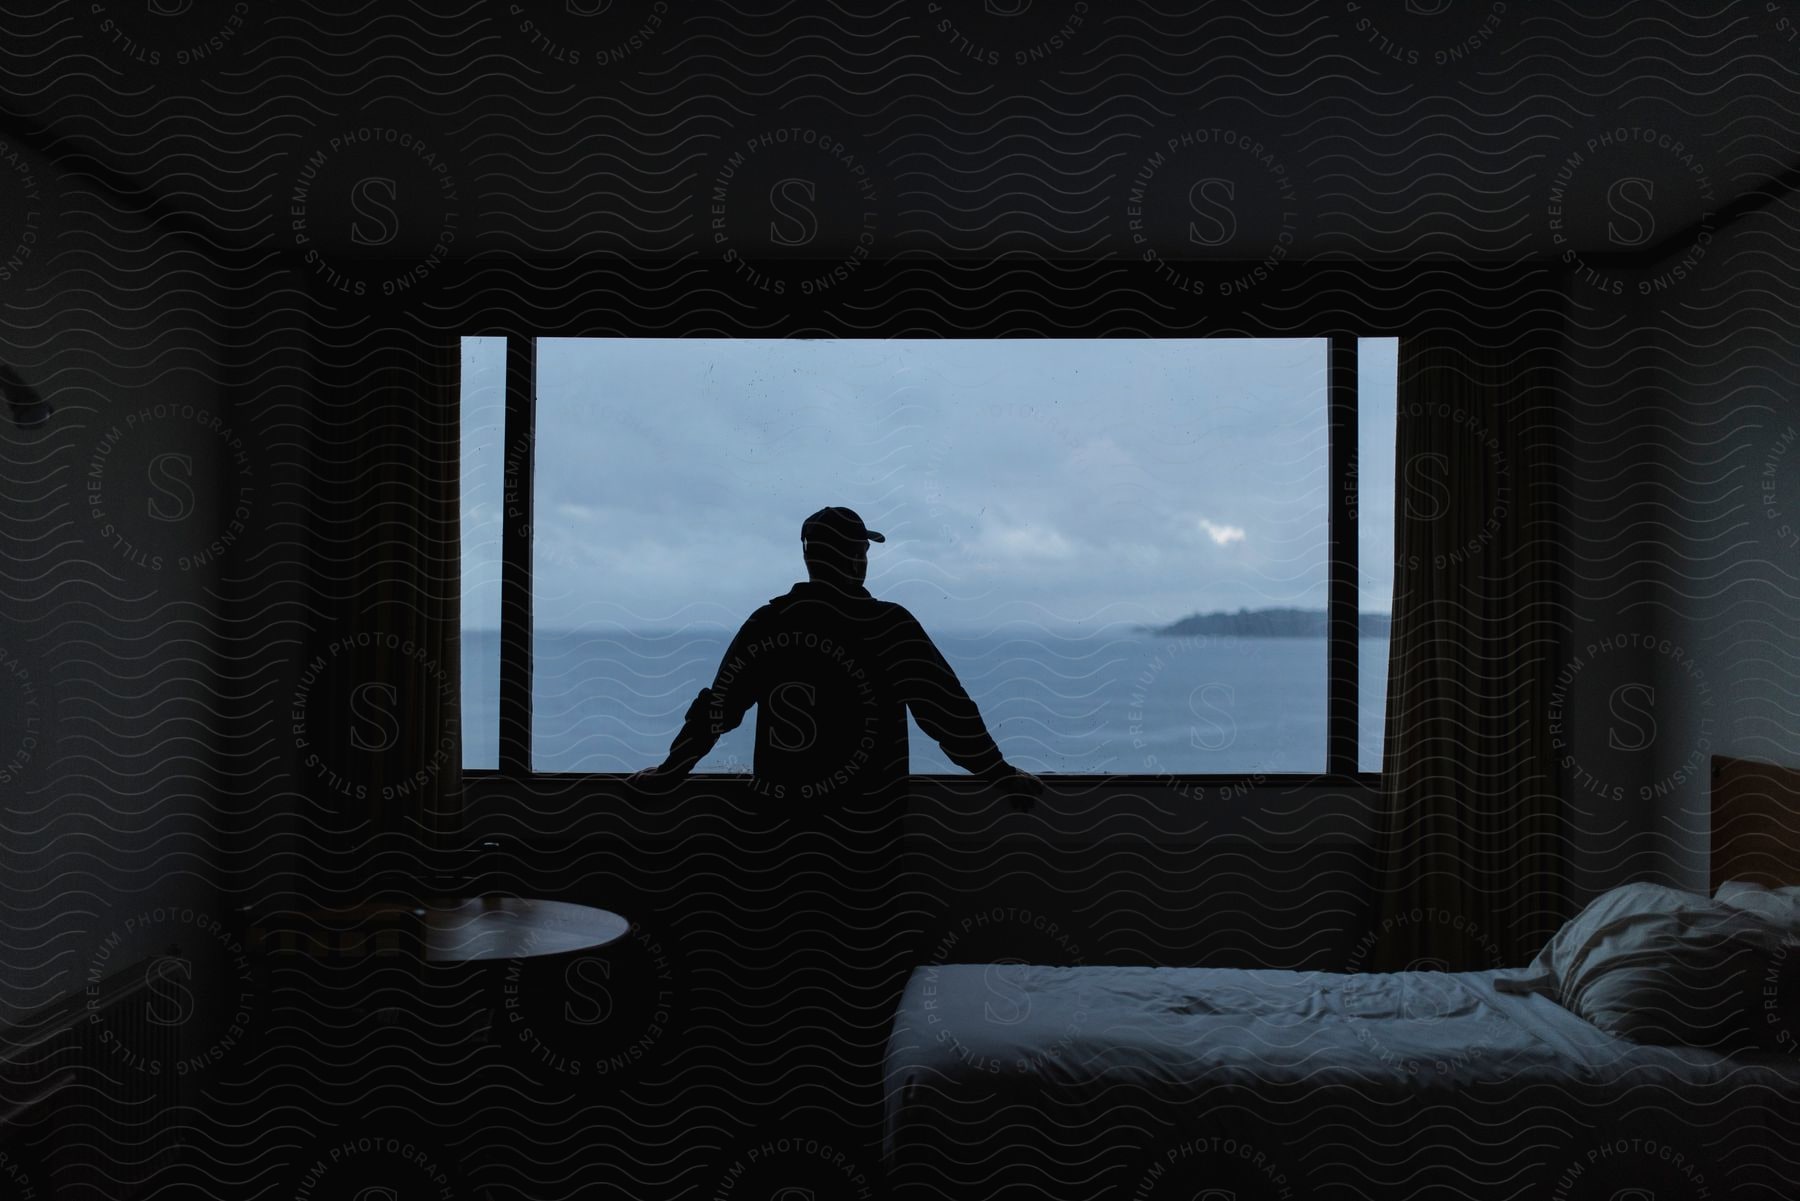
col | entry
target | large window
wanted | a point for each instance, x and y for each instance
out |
(1136, 553)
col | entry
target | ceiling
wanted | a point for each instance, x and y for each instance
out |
(758, 133)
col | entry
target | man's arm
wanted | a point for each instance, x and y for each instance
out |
(940, 704)
(719, 708)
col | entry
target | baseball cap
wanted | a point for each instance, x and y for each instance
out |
(838, 524)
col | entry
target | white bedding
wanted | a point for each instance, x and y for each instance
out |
(1093, 1037)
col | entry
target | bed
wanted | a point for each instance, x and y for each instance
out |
(1232, 1084)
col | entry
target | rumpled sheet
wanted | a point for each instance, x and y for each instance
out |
(1360, 1081)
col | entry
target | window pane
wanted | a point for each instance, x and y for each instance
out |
(483, 427)
(1376, 373)
(1047, 505)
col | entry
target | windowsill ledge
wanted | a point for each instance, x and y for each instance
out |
(574, 807)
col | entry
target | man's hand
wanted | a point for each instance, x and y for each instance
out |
(1020, 788)
(662, 775)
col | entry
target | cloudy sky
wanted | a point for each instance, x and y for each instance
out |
(1020, 482)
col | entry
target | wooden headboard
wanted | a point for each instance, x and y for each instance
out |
(1755, 822)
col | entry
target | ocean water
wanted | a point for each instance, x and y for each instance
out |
(607, 700)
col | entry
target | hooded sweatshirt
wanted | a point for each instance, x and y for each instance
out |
(833, 672)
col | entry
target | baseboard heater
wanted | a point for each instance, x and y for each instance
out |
(79, 1115)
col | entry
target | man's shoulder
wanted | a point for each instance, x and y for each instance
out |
(759, 618)
(871, 614)
(901, 631)
(863, 602)
(892, 615)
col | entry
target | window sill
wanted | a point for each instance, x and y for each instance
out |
(584, 812)
(1057, 780)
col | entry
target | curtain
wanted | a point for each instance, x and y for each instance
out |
(379, 715)
(421, 597)
(1469, 832)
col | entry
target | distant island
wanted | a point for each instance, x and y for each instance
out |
(1265, 623)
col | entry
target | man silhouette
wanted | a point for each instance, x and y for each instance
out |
(814, 952)
(833, 671)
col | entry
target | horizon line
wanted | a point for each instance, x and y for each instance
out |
(955, 629)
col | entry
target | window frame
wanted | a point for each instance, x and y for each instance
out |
(1343, 625)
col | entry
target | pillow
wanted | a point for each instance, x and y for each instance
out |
(1660, 965)
(1544, 973)
(1780, 905)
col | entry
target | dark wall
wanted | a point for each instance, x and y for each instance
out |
(1614, 515)
(1680, 549)
(1725, 413)
(126, 508)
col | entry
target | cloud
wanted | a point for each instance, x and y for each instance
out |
(1025, 542)
(1066, 476)
(1222, 535)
